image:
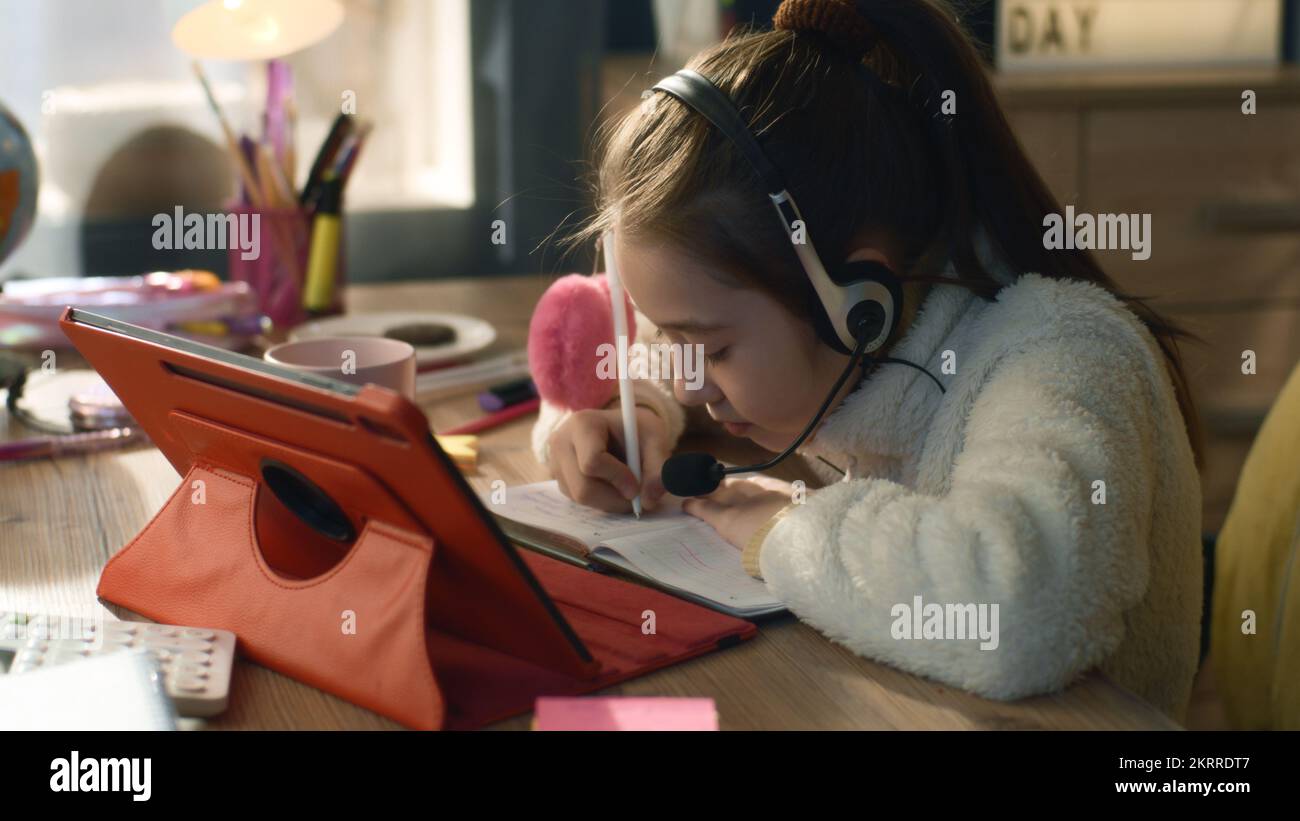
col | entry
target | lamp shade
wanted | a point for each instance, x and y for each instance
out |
(255, 29)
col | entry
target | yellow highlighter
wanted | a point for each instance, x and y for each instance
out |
(323, 260)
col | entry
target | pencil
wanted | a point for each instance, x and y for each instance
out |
(232, 142)
(284, 242)
(42, 447)
(277, 193)
(347, 155)
(291, 150)
(495, 420)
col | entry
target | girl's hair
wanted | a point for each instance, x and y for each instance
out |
(860, 150)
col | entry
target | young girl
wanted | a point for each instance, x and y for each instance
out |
(1052, 477)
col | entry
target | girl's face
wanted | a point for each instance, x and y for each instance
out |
(765, 371)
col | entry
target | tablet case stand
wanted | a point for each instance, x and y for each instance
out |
(321, 524)
(359, 629)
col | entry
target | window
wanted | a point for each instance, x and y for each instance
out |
(407, 63)
(86, 79)
(482, 110)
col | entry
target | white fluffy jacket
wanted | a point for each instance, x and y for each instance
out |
(986, 495)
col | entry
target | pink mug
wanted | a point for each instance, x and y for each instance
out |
(389, 363)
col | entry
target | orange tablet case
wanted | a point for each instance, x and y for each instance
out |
(321, 523)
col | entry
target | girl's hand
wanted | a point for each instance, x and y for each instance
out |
(740, 507)
(586, 459)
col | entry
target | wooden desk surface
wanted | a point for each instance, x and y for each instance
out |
(61, 520)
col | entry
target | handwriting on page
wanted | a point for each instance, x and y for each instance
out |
(696, 559)
(668, 545)
(543, 505)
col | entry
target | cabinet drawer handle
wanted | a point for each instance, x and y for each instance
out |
(1246, 216)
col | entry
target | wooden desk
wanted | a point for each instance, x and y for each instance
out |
(61, 520)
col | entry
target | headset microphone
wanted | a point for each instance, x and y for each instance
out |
(696, 474)
(692, 474)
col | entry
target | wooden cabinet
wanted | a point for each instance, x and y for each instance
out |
(1223, 191)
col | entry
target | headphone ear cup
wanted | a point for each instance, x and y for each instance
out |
(825, 331)
(848, 273)
(871, 312)
(869, 317)
(862, 270)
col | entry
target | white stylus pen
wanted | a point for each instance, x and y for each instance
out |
(627, 399)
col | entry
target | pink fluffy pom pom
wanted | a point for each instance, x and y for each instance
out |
(570, 323)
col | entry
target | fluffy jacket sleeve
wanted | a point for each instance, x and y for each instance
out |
(655, 394)
(1019, 525)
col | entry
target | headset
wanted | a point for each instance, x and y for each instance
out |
(862, 301)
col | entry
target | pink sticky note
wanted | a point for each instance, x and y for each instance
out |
(614, 713)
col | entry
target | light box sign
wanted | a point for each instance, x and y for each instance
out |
(1081, 34)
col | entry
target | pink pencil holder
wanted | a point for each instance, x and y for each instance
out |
(278, 272)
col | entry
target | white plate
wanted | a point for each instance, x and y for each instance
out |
(472, 334)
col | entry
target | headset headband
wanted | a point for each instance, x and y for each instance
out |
(845, 304)
(699, 93)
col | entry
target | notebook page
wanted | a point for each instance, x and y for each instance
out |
(543, 506)
(668, 545)
(693, 557)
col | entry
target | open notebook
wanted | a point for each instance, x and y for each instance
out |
(667, 548)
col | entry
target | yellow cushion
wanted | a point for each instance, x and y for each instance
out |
(1257, 569)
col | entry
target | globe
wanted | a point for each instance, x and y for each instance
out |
(19, 179)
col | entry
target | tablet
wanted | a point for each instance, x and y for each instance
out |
(485, 592)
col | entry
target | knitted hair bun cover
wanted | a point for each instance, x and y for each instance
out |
(837, 20)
